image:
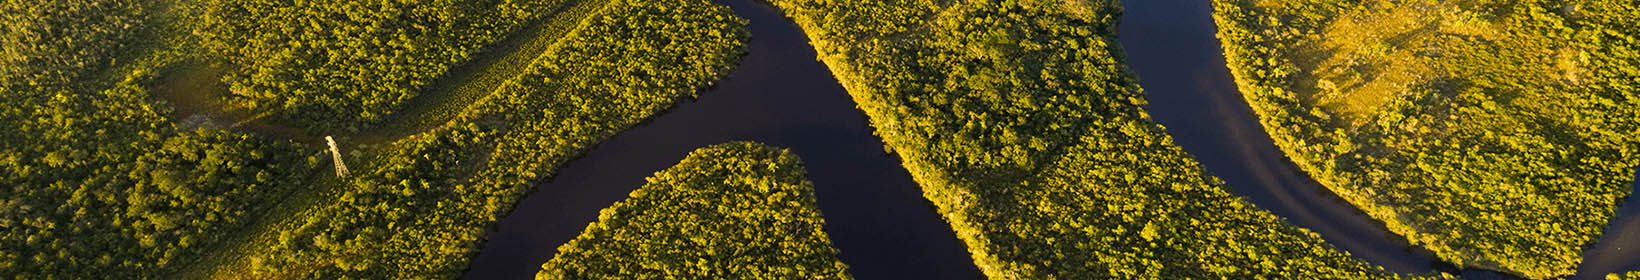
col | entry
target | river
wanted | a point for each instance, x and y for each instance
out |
(781, 96)
(1170, 44)
(874, 212)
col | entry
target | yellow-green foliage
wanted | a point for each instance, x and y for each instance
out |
(1624, 276)
(58, 42)
(95, 180)
(1029, 135)
(730, 211)
(1498, 134)
(499, 63)
(341, 63)
(419, 209)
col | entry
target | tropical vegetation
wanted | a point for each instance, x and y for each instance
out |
(1498, 134)
(334, 65)
(465, 84)
(104, 178)
(737, 210)
(1022, 125)
(421, 206)
(98, 180)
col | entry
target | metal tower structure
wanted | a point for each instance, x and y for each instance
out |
(336, 155)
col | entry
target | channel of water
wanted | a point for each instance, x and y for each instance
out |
(875, 213)
(1172, 47)
(782, 96)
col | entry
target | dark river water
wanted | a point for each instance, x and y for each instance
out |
(1170, 44)
(876, 215)
(781, 96)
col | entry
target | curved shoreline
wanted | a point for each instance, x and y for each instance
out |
(1194, 95)
(781, 96)
(877, 216)
(1191, 92)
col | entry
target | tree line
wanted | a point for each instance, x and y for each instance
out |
(733, 210)
(420, 207)
(334, 66)
(97, 180)
(1029, 135)
(1498, 134)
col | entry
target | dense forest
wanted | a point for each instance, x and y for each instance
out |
(1499, 134)
(103, 179)
(729, 211)
(335, 65)
(420, 206)
(1026, 131)
(465, 85)
(97, 181)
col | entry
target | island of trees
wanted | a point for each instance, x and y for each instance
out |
(737, 210)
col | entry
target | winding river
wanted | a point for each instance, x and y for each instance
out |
(781, 96)
(876, 215)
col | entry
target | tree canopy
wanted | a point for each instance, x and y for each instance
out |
(735, 210)
(1024, 128)
(1498, 134)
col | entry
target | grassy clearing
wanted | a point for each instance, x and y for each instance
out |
(1498, 134)
(735, 210)
(1026, 131)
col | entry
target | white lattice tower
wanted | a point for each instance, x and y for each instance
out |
(336, 154)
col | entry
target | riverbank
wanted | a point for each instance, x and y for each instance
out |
(778, 95)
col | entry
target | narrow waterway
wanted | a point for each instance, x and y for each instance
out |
(1170, 44)
(875, 213)
(779, 95)
(1618, 249)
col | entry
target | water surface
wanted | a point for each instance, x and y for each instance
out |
(876, 215)
(781, 96)
(1170, 44)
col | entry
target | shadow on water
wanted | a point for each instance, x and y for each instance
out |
(1170, 44)
(779, 95)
